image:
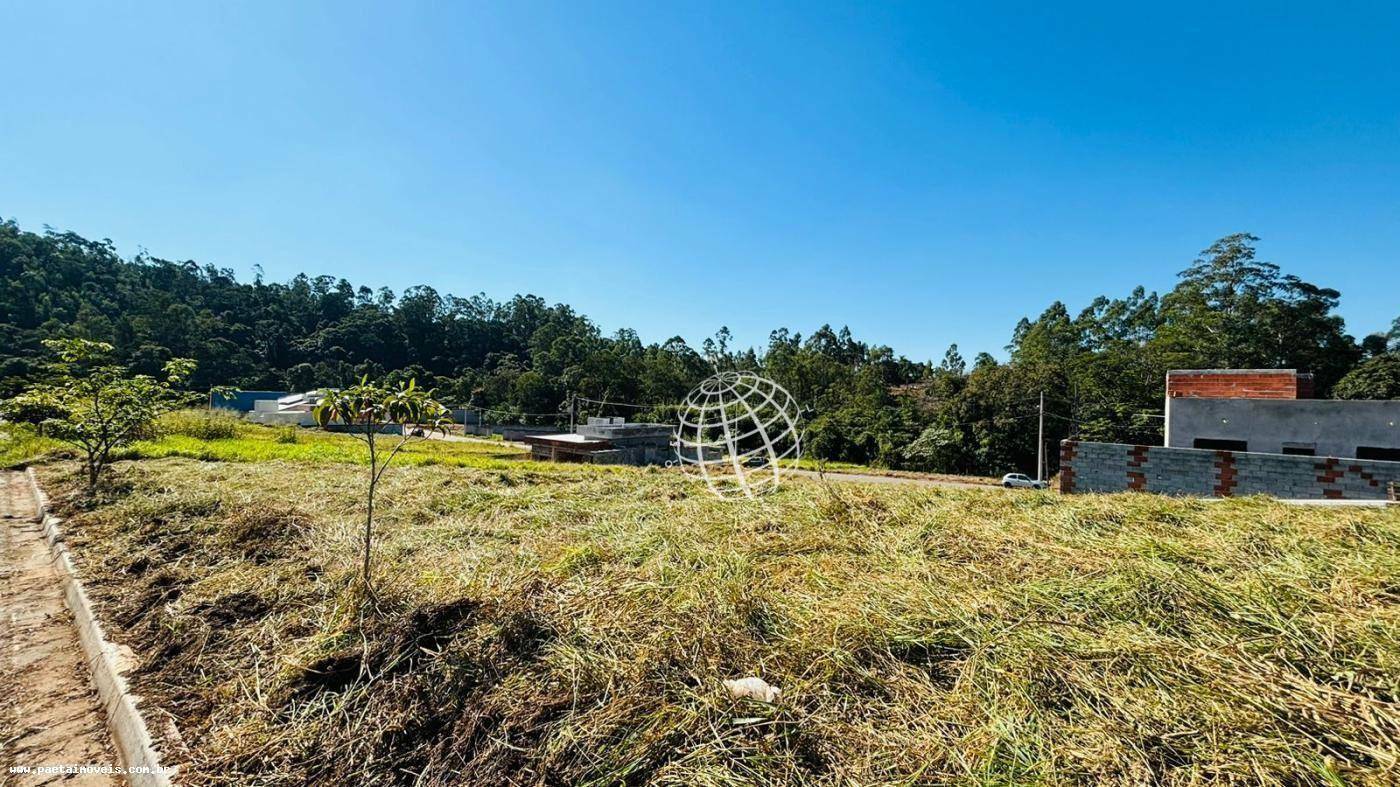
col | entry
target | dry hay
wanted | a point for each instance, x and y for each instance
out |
(575, 629)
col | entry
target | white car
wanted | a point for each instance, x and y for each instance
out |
(1021, 480)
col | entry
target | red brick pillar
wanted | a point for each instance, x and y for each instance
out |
(1068, 450)
(1226, 474)
(1137, 479)
(1328, 473)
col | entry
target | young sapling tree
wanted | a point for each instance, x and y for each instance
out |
(97, 405)
(367, 410)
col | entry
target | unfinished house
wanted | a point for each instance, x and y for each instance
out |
(1272, 411)
(605, 441)
(1232, 432)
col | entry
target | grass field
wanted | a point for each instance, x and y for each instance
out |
(558, 625)
(198, 435)
(20, 445)
(187, 435)
(259, 444)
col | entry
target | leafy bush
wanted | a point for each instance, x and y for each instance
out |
(287, 435)
(202, 424)
(1378, 378)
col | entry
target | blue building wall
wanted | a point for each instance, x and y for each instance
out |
(242, 401)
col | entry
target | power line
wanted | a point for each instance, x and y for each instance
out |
(632, 405)
(1040, 443)
(481, 409)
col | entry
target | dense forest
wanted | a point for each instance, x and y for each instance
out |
(1101, 370)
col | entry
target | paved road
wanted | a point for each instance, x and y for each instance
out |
(457, 438)
(889, 479)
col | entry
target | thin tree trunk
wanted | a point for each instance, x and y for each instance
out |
(94, 472)
(369, 525)
(369, 511)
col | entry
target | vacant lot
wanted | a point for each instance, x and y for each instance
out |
(192, 434)
(547, 624)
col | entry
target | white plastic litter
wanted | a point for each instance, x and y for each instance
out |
(754, 689)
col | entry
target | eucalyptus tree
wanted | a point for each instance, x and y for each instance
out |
(1376, 378)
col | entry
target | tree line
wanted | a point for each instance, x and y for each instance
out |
(525, 360)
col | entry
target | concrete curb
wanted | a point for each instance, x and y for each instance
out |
(139, 754)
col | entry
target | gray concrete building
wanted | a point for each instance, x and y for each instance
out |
(1250, 431)
(636, 444)
(1267, 411)
(610, 441)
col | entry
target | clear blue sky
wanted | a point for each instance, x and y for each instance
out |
(926, 173)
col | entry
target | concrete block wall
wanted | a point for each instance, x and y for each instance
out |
(509, 431)
(1114, 467)
(290, 418)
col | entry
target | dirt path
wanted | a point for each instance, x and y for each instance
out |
(49, 712)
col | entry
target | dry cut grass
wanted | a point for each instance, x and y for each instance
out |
(575, 627)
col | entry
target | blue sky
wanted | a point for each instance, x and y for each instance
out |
(925, 173)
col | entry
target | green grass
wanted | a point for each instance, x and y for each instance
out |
(254, 443)
(205, 424)
(223, 437)
(574, 627)
(215, 438)
(20, 445)
(808, 463)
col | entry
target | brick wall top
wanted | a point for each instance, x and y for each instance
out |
(1239, 384)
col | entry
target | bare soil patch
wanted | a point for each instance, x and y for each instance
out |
(51, 714)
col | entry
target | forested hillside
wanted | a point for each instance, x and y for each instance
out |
(1101, 370)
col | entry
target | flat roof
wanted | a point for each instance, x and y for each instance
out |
(566, 438)
(1234, 371)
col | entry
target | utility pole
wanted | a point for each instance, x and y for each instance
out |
(1040, 443)
(1074, 414)
(573, 408)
